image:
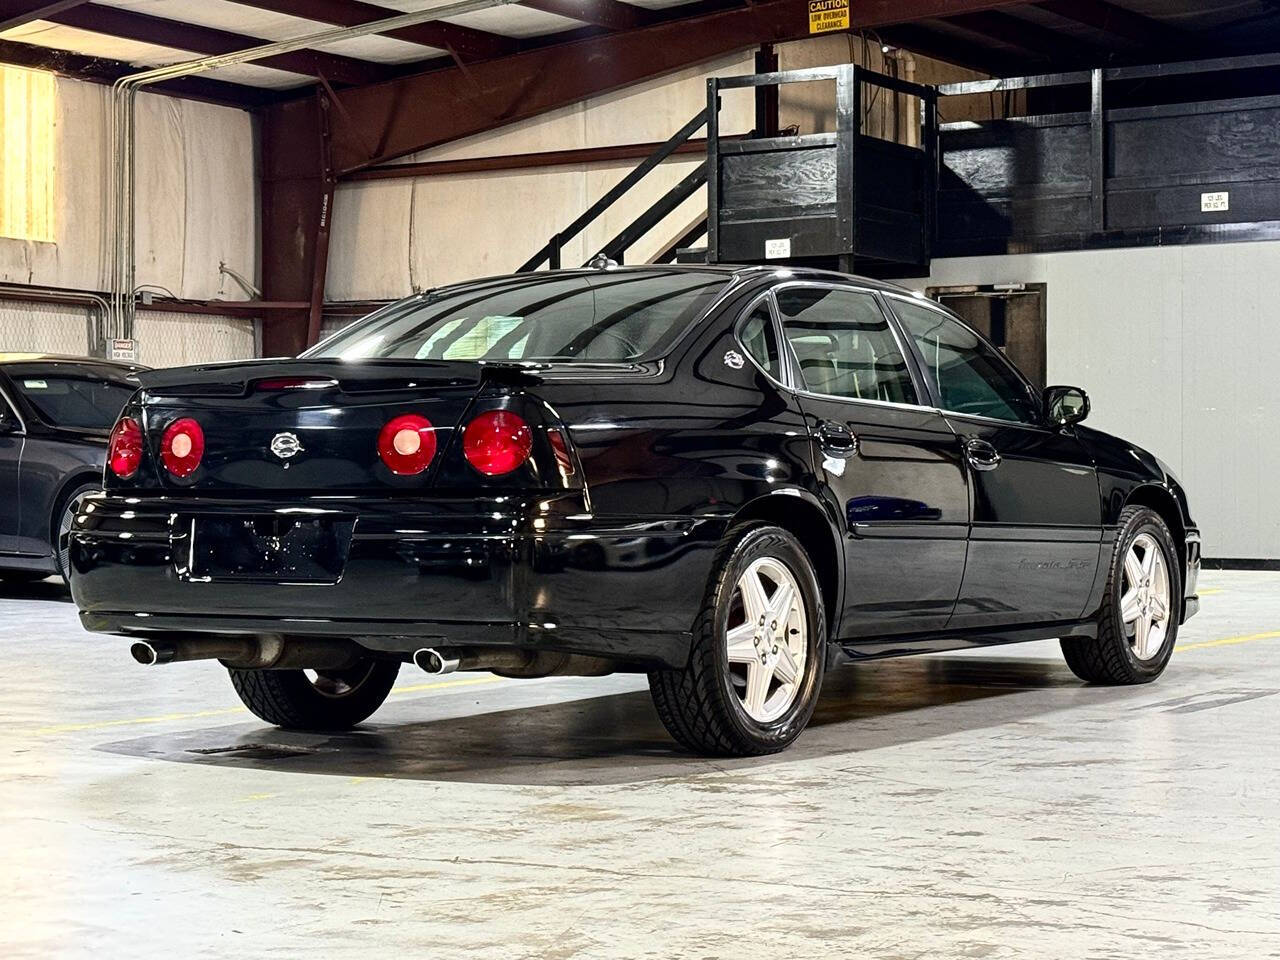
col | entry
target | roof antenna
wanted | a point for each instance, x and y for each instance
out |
(601, 262)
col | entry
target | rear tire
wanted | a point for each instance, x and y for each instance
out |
(333, 700)
(1143, 578)
(750, 686)
(61, 523)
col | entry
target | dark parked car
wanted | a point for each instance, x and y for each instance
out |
(56, 414)
(726, 478)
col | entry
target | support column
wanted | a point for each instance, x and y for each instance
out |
(298, 185)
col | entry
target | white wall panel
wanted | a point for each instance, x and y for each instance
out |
(197, 196)
(1177, 347)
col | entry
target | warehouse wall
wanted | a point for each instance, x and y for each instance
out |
(164, 339)
(392, 237)
(197, 196)
(1177, 347)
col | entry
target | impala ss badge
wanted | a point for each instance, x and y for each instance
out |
(733, 360)
(286, 445)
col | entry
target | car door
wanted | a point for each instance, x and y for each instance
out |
(12, 438)
(890, 464)
(1036, 510)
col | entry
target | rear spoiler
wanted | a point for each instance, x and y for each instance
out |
(236, 378)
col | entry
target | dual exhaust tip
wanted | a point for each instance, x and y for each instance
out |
(149, 654)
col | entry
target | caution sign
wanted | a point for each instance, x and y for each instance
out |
(827, 15)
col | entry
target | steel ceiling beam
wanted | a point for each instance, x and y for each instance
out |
(412, 113)
(17, 13)
(116, 22)
(610, 14)
(934, 43)
(104, 70)
(466, 42)
(1134, 28)
(1039, 42)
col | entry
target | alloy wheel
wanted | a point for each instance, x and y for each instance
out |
(1145, 601)
(767, 639)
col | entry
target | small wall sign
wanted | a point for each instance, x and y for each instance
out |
(828, 15)
(777, 249)
(1215, 202)
(126, 350)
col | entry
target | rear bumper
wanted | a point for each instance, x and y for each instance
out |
(524, 571)
(1191, 576)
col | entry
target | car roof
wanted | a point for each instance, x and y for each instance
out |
(744, 270)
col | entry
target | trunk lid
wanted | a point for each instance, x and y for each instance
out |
(308, 425)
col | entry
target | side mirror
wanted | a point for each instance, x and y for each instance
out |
(1064, 406)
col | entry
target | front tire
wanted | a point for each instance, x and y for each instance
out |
(758, 654)
(1141, 608)
(311, 700)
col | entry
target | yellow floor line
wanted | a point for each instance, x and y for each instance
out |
(197, 714)
(1211, 591)
(469, 681)
(1229, 641)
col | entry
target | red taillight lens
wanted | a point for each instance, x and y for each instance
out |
(407, 444)
(497, 442)
(124, 453)
(182, 447)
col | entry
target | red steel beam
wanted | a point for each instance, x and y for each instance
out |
(379, 123)
(412, 113)
(466, 42)
(610, 14)
(524, 161)
(115, 22)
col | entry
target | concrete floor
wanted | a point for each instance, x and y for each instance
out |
(950, 806)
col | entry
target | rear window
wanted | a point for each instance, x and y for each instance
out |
(613, 316)
(83, 402)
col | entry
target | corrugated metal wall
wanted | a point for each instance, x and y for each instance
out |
(1177, 347)
(164, 339)
(177, 339)
(31, 327)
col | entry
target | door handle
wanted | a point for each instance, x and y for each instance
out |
(981, 455)
(837, 440)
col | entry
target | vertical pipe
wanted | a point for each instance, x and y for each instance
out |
(713, 170)
(1097, 153)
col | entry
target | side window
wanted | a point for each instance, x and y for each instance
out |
(844, 345)
(760, 340)
(971, 376)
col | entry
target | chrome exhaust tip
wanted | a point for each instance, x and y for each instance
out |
(434, 662)
(146, 654)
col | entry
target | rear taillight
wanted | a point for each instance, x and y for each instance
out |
(182, 447)
(124, 453)
(407, 444)
(497, 442)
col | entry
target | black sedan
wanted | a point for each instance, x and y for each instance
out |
(727, 478)
(56, 414)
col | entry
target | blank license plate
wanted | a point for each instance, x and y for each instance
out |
(272, 548)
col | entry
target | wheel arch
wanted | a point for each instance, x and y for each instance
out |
(58, 500)
(1162, 501)
(804, 518)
